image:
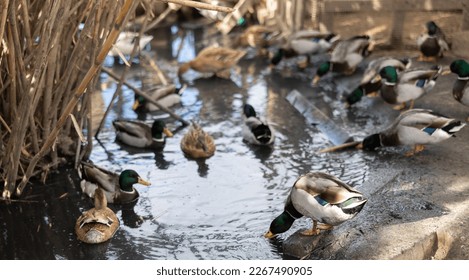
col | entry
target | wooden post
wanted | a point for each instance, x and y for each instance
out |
(398, 19)
(465, 15)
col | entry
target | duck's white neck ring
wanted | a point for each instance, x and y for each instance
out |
(463, 78)
(291, 215)
(158, 139)
(131, 192)
(389, 84)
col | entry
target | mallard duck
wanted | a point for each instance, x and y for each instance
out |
(460, 86)
(168, 97)
(256, 131)
(416, 127)
(196, 143)
(305, 42)
(432, 43)
(139, 135)
(321, 197)
(217, 60)
(370, 83)
(408, 85)
(99, 224)
(117, 188)
(125, 43)
(346, 56)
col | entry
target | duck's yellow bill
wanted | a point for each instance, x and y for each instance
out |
(269, 234)
(136, 104)
(143, 182)
(167, 132)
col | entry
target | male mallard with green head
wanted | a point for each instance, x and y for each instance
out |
(460, 67)
(118, 188)
(432, 44)
(323, 198)
(346, 56)
(140, 135)
(370, 83)
(98, 224)
(408, 85)
(197, 143)
(256, 131)
(416, 127)
(214, 60)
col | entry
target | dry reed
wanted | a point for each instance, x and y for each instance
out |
(50, 53)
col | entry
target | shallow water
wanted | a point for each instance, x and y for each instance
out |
(217, 208)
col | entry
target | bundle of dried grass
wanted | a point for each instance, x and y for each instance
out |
(50, 52)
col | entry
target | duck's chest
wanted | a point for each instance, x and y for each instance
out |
(461, 92)
(430, 47)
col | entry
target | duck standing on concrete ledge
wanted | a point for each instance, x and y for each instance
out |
(460, 86)
(407, 86)
(432, 44)
(370, 83)
(346, 56)
(417, 128)
(321, 197)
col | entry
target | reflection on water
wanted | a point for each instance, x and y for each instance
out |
(218, 208)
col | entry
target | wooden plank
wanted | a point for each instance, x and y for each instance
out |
(313, 115)
(342, 6)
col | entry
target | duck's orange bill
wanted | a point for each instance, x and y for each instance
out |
(167, 132)
(143, 182)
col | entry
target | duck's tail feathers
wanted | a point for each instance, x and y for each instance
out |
(262, 133)
(353, 205)
(437, 74)
(453, 127)
(406, 61)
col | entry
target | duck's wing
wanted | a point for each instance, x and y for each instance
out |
(413, 75)
(328, 187)
(376, 65)
(420, 119)
(307, 34)
(105, 179)
(103, 216)
(136, 129)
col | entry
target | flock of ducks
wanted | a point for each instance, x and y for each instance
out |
(325, 199)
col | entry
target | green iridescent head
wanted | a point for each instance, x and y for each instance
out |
(355, 96)
(249, 111)
(280, 224)
(460, 67)
(389, 73)
(323, 68)
(277, 56)
(431, 27)
(128, 178)
(159, 128)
